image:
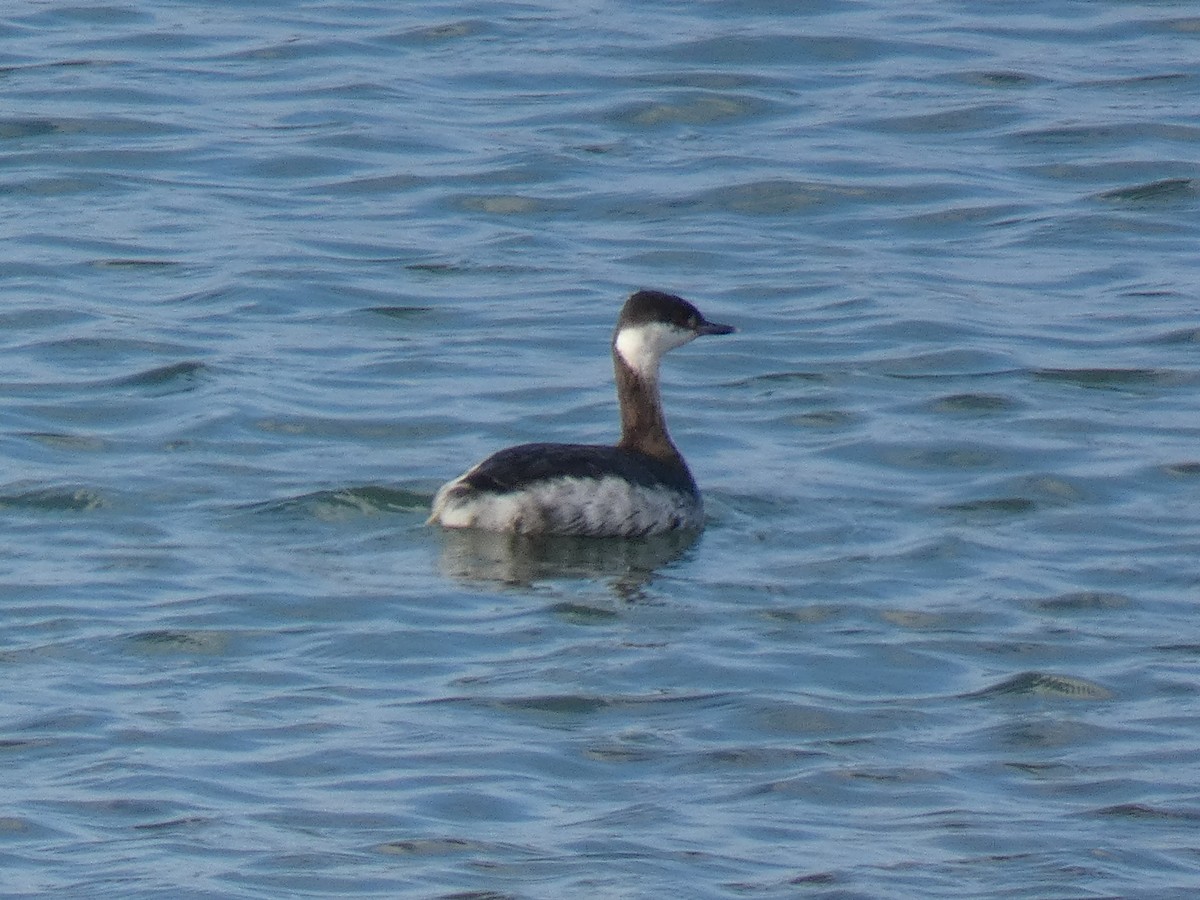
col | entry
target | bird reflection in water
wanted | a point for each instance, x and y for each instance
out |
(475, 555)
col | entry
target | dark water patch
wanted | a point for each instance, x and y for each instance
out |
(342, 503)
(1027, 494)
(892, 775)
(1095, 174)
(375, 186)
(53, 130)
(959, 216)
(1166, 190)
(693, 108)
(926, 620)
(272, 57)
(349, 430)
(1189, 25)
(440, 846)
(14, 745)
(581, 704)
(993, 506)
(973, 404)
(162, 381)
(555, 704)
(53, 499)
(1187, 648)
(175, 641)
(804, 615)
(836, 724)
(219, 298)
(91, 352)
(1148, 812)
(34, 126)
(782, 197)
(790, 49)
(1055, 490)
(442, 32)
(158, 381)
(831, 419)
(358, 252)
(983, 117)
(620, 753)
(753, 758)
(1001, 79)
(17, 825)
(399, 312)
(56, 64)
(122, 811)
(1188, 469)
(583, 613)
(56, 186)
(304, 167)
(131, 263)
(940, 363)
(509, 204)
(774, 378)
(1045, 684)
(1109, 135)
(1173, 80)
(849, 783)
(73, 442)
(821, 880)
(918, 457)
(437, 268)
(1080, 602)
(1150, 293)
(1114, 379)
(1179, 336)
(97, 15)
(707, 80)
(1039, 734)
(38, 317)
(1039, 769)
(182, 823)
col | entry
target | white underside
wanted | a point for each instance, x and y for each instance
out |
(605, 507)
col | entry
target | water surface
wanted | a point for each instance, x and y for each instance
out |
(274, 272)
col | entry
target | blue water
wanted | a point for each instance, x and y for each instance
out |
(273, 272)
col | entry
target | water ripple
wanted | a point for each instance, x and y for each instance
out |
(1043, 684)
(68, 498)
(273, 272)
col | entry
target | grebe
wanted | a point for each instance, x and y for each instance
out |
(640, 487)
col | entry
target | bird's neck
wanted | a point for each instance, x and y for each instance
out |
(643, 428)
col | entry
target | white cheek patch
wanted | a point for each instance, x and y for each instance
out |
(642, 346)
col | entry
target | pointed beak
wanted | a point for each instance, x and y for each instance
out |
(714, 328)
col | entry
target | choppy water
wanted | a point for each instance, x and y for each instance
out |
(272, 272)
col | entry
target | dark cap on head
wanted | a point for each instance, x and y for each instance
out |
(647, 306)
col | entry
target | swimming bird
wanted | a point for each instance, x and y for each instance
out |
(640, 486)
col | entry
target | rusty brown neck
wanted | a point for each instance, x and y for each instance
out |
(643, 427)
